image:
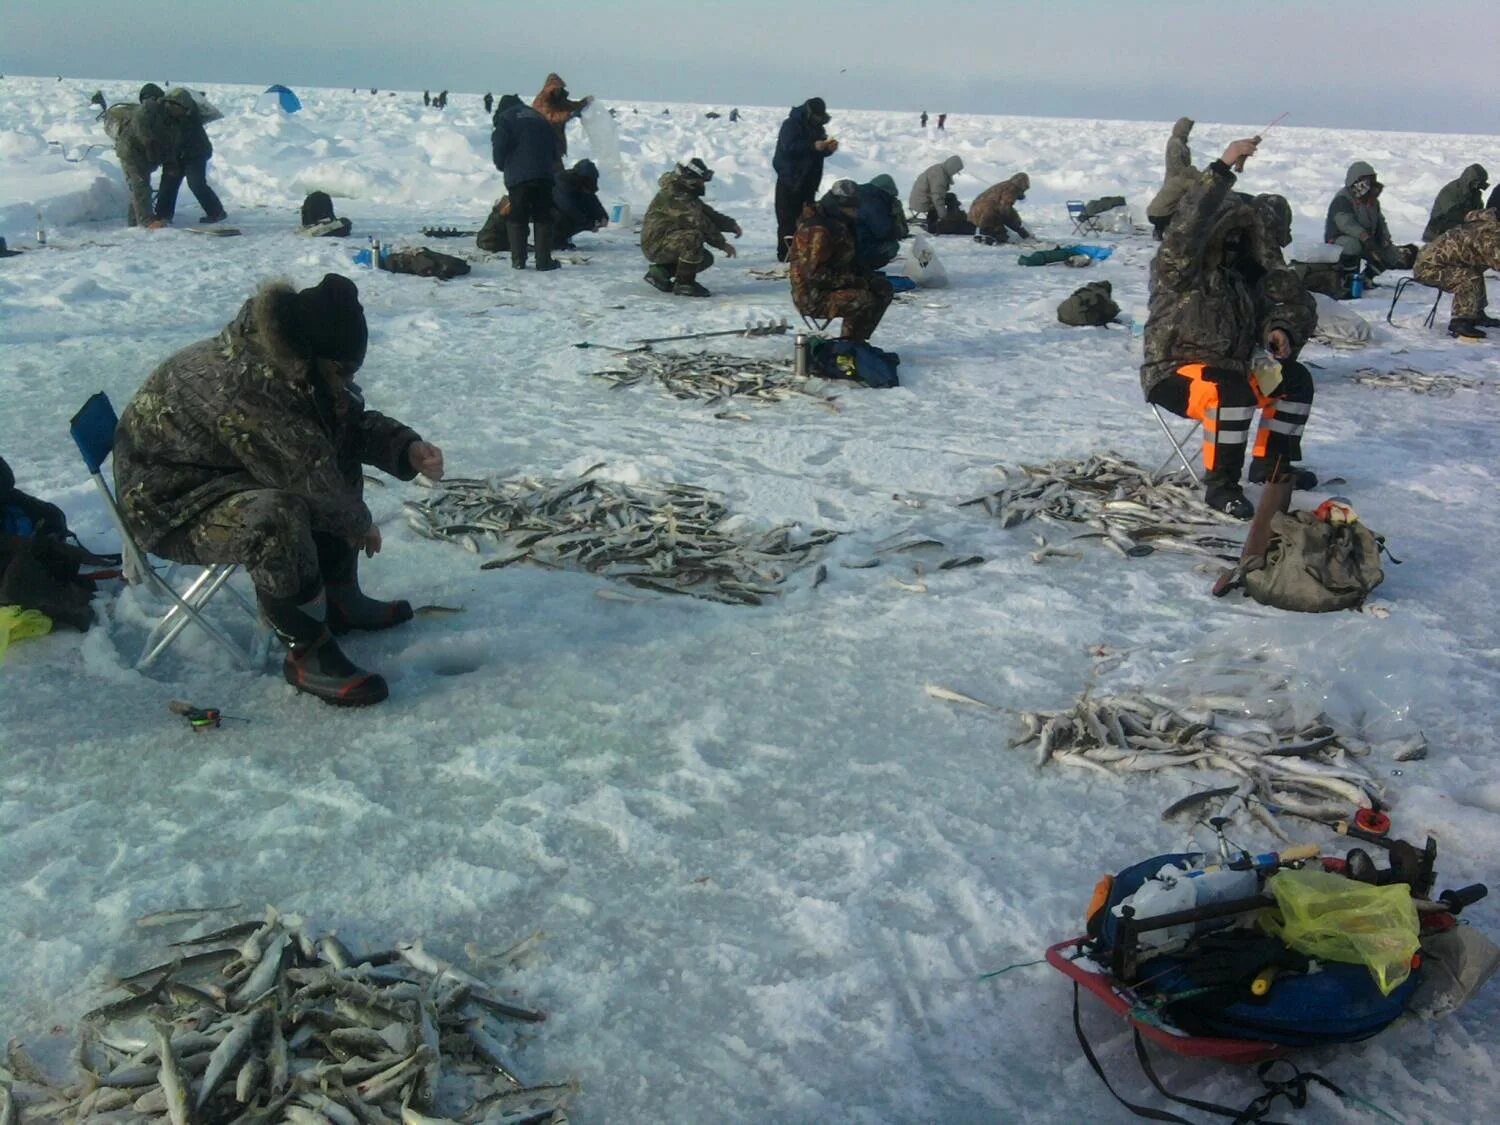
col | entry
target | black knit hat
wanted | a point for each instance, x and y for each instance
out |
(818, 109)
(151, 90)
(328, 320)
(508, 101)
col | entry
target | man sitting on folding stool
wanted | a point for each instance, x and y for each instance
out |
(1219, 289)
(247, 448)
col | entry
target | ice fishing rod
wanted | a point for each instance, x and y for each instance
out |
(1239, 165)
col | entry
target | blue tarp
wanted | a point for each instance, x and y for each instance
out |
(287, 100)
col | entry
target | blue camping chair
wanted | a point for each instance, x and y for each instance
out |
(93, 430)
(1082, 224)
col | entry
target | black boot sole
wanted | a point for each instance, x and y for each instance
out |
(361, 691)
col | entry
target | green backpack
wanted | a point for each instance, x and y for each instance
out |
(1312, 566)
(1090, 306)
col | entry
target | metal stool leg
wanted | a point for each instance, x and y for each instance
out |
(1176, 447)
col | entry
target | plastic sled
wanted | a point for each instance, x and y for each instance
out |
(1119, 1000)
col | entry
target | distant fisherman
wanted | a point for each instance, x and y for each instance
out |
(247, 448)
(147, 140)
(553, 103)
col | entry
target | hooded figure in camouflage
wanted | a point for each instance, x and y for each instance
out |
(994, 213)
(150, 139)
(1455, 262)
(1180, 176)
(677, 225)
(1219, 290)
(828, 281)
(1357, 227)
(247, 448)
(1456, 200)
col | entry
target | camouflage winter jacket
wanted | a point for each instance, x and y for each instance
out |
(678, 207)
(1180, 173)
(1472, 245)
(1456, 200)
(823, 257)
(996, 206)
(152, 137)
(242, 411)
(1205, 311)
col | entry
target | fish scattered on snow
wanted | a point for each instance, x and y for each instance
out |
(291, 1034)
(1132, 512)
(674, 538)
(716, 377)
(1414, 380)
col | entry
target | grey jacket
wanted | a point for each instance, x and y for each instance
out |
(928, 193)
(1456, 200)
(1180, 173)
(1356, 218)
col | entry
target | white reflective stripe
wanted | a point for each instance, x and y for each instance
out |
(1291, 429)
(1301, 408)
(1232, 437)
(1236, 413)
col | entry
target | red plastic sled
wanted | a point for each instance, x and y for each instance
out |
(1086, 974)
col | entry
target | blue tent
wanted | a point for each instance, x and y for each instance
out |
(280, 98)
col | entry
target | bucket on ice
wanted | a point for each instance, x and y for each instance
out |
(619, 214)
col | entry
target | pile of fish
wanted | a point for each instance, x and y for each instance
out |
(715, 377)
(1414, 380)
(1277, 765)
(1130, 509)
(262, 1022)
(673, 538)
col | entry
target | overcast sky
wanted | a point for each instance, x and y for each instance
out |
(1351, 64)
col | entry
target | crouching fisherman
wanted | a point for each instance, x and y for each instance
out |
(1219, 290)
(678, 228)
(247, 449)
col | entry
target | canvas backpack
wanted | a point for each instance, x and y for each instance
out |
(424, 263)
(1314, 566)
(1090, 306)
(857, 360)
(1328, 278)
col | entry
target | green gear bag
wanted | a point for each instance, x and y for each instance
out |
(1089, 306)
(1312, 566)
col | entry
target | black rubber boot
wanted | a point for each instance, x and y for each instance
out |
(544, 259)
(687, 285)
(660, 277)
(1462, 328)
(349, 607)
(1302, 479)
(516, 233)
(1222, 493)
(314, 662)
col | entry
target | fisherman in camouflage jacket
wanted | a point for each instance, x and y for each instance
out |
(247, 448)
(1219, 290)
(1455, 262)
(677, 226)
(827, 280)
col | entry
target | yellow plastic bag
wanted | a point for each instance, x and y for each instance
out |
(16, 624)
(1337, 919)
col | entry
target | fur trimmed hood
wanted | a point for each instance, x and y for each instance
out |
(263, 324)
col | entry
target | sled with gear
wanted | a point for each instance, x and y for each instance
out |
(1245, 958)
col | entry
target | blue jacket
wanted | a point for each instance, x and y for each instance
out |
(798, 165)
(575, 200)
(879, 227)
(526, 147)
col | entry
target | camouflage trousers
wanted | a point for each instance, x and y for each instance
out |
(265, 530)
(685, 247)
(138, 184)
(861, 309)
(1466, 283)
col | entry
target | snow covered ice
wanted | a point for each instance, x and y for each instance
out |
(770, 867)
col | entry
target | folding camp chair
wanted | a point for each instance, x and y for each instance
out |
(1177, 444)
(1083, 223)
(93, 430)
(1401, 288)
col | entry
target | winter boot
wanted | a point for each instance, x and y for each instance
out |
(660, 278)
(1485, 320)
(1222, 493)
(1302, 479)
(544, 259)
(349, 608)
(314, 662)
(516, 233)
(207, 219)
(1463, 328)
(686, 285)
